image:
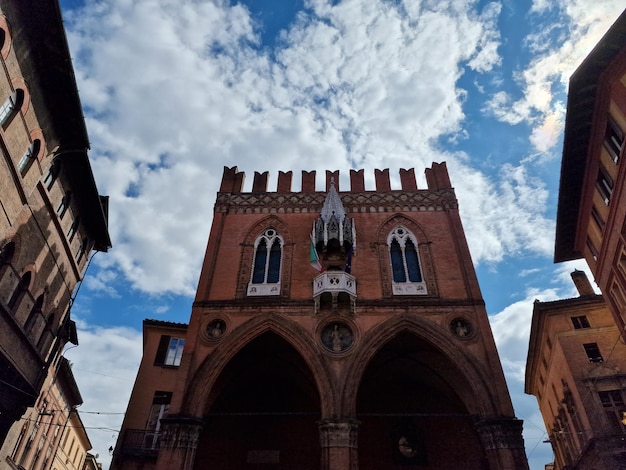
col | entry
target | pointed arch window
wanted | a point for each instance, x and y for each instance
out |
(407, 278)
(266, 268)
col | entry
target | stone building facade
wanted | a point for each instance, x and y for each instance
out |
(330, 329)
(51, 215)
(575, 369)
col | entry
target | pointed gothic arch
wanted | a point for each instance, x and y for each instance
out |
(477, 393)
(213, 366)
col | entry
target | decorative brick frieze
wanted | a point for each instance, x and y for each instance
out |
(312, 202)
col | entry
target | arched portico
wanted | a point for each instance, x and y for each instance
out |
(257, 399)
(421, 401)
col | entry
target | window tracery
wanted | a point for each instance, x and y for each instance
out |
(407, 278)
(266, 268)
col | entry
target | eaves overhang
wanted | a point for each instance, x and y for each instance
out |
(584, 87)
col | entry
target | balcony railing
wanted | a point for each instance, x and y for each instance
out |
(334, 283)
(140, 442)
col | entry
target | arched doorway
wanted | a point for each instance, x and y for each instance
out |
(263, 410)
(411, 411)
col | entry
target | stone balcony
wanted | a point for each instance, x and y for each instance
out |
(334, 285)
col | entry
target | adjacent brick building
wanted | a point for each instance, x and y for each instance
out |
(51, 434)
(51, 216)
(575, 368)
(384, 357)
(591, 213)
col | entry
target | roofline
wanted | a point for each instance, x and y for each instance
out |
(582, 100)
(165, 324)
(538, 320)
(42, 51)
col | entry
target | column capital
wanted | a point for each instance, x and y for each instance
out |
(180, 432)
(500, 433)
(339, 432)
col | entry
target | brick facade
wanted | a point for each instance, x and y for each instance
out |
(334, 370)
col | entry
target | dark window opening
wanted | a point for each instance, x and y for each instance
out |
(580, 321)
(52, 175)
(19, 291)
(597, 218)
(614, 408)
(397, 263)
(593, 352)
(613, 139)
(260, 257)
(29, 157)
(412, 262)
(605, 185)
(64, 205)
(267, 259)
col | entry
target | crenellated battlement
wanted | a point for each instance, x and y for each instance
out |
(436, 178)
(438, 196)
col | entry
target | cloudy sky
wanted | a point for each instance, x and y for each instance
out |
(174, 90)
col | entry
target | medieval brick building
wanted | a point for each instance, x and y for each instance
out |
(330, 329)
(591, 217)
(51, 215)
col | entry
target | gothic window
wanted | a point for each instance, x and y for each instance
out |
(266, 264)
(405, 264)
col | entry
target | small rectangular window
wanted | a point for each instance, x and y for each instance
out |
(604, 184)
(170, 351)
(613, 139)
(580, 321)
(593, 352)
(597, 218)
(592, 249)
(614, 407)
(73, 228)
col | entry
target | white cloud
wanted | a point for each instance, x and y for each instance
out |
(544, 82)
(105, 365)
(355, 84)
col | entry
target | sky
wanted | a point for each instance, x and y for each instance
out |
(174, 90)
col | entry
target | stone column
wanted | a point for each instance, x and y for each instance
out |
(503, 443)
(338, 439)
(178, 443)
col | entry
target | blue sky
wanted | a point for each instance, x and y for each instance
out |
(173, 90)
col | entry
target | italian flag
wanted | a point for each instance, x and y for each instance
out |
(315, 260)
